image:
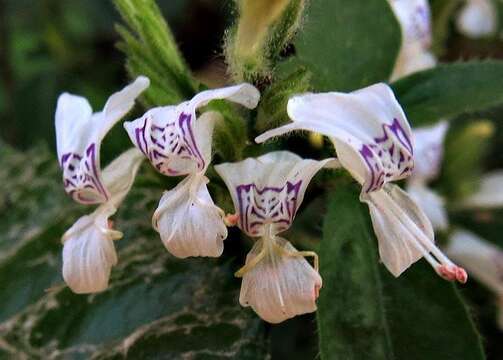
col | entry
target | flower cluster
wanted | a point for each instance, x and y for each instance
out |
(373, 142)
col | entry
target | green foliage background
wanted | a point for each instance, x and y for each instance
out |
(162, 307)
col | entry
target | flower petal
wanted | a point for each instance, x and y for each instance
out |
(412, 58)
(279, 287)
(368, 127)
(396, 243)
(415, 19)
(428, 151)
(482, 259)
(119, 175)
(405, 234)
(189, 222)
(79, 134)
(431, 203)
(177, 142)
(477, 19)
(489, 194)
(269, 189)
(89, 252)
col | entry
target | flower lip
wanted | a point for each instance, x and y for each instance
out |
(269, 190)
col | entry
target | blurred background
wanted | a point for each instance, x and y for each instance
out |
(50, 46)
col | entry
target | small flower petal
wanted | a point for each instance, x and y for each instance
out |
(431, 203)
(269, 189)
(489, 194)
(79, 134)
(119, 175)
(89, 252)
(372, 137)
(428, 151)
(478, 18)
(177, 142)
(279, 286)
(415, 19)
(482, 259)
(189, 223)
(405, 234)
(412, 58)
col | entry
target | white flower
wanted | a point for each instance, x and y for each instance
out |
(428, 156)
(482, 259)
(278, 283)
(88, 249)
(477, 18)
(189, 222)
(415, 21)
(79, 133)
(178, 142)
(282, 285)
(373, 141)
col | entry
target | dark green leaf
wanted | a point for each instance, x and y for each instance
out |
(156, 304)
(450, 90)
(348, 44)
(365, 313)
(351, 315)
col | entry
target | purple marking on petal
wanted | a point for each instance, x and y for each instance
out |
(81, 173)
(389, 157)
(282, 210)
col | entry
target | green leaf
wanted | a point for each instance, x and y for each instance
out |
(151, 50)
(365, 313)
(156, 304)
(348, 44)
(450, 90)
(351, 315)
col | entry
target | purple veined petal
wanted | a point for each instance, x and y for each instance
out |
(372, 137)
(176, 140)
(269, 189)
(414, 17)
(79, 133)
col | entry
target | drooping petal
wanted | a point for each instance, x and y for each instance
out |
(489, 194)
(482, 259)
(269, 189)
(478, 18)
(188, 221)
(280, 286)
(368, 127)
(89, 252)
(411, 59)
(405, 234)
(79, 134)
(415, 20)
(431, 203)
(175, 140)
(119, 175)
(428, 151)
